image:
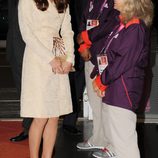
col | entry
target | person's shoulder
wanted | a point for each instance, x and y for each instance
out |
(132, 22)
(137, 30)
(135, 25)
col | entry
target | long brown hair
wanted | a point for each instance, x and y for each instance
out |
(61, 5)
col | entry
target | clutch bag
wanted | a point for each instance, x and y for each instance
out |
(59, 50)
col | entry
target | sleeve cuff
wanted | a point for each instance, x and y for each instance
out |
(85, 37)
(70, 58)
(99, 84)
(83, 47)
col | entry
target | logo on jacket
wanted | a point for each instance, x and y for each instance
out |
(116, 35)
(106, 5)
(91, 6)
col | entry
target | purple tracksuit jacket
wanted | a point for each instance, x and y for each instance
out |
(107, 21)
(128, 55)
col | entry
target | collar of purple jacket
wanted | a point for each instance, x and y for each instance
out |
(134, 20)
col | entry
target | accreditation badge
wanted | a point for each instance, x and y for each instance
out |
(91, 23)
(102, 61)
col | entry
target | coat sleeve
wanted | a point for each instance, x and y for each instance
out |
(67, 35)
(26, 28)
(127, 54)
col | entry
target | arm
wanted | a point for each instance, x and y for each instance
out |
(67, 35)
(105, 27)
(126, 55)
(108, 20)
(26, 28)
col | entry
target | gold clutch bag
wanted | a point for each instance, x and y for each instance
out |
(58, 47)
(59, 50)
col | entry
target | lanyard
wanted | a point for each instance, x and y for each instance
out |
(91, 7)
(116, 34)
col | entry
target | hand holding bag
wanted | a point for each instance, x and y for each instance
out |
(59, 49)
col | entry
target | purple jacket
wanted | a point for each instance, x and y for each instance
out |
(107, 21)
(127, 58)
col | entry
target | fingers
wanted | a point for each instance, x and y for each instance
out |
(66, 70)
(61, 67)
(89, 56)
(62, 70)
(97, 90)
(57, 66)
(86, 55)
(58, 70)
(86, 58)
(67, 66)
(100, 93)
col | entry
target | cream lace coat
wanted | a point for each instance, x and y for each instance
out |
(44, 94)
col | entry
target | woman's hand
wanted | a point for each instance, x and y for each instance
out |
(97, 90)
(86, 54)
(66, 66)
(57, 65)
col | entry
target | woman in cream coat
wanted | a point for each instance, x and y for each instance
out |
(45, 85)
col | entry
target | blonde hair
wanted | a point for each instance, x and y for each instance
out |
(142, 9)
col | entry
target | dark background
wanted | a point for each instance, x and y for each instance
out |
(3, 19)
